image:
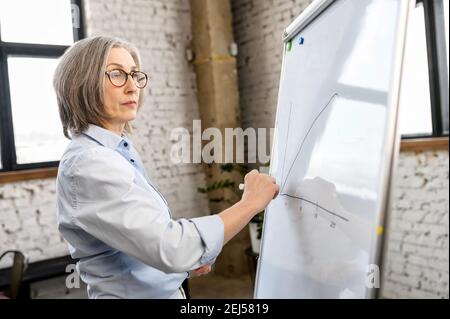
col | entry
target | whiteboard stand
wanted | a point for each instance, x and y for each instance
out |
(334, 150)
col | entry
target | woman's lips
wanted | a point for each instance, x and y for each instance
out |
(130, 104)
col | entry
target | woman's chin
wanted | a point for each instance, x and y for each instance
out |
(131, 116)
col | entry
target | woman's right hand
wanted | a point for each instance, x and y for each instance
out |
(259, 190)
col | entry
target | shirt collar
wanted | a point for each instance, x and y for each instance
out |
(106, 137)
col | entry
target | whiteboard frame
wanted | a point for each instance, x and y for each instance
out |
(394, 139)
(389, 162)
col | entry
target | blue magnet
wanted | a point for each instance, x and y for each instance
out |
(301, 41)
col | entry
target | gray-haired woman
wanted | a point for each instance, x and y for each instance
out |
(115, 221)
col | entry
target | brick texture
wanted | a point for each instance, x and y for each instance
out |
(28, 220)
(417, 256)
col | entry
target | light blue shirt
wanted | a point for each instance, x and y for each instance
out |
(119, 226)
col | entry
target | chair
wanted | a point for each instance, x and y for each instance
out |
(18, 269)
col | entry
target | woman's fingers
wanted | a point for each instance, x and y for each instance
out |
(202, 270)
(259, 189)
(277, 190)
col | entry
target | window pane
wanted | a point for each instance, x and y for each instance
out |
(37, 127)
(415, 105)
(31, 21)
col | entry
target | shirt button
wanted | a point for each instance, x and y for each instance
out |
(132, 160)
(125, 144)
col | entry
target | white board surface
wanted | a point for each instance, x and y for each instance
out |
(333, 151)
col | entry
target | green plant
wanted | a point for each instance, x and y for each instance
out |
(225, 183)
(259, 220)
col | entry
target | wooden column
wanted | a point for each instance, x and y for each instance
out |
(218, 97)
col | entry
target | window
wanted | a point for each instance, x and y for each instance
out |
(424, 94)
(33, 36)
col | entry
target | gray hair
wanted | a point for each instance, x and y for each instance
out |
(78, 82)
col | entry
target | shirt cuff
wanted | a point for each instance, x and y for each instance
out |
(211, 230)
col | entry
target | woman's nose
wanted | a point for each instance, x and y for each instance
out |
(130, 86)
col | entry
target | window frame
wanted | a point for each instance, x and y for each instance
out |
(437, 70)
(7, 140)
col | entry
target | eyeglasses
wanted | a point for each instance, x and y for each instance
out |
(119, 78)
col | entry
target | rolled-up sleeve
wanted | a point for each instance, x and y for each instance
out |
(211, 230)
(110, 206)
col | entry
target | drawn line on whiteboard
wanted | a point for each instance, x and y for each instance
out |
(287, 142)
(317, 205)
(304, 139)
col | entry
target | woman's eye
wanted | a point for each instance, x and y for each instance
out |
(115, 74)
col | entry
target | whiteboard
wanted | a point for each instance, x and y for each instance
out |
(334, 148)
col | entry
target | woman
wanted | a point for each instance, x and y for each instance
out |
(113, 218)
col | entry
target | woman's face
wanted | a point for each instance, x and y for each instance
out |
(121, 103)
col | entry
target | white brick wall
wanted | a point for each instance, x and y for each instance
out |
(161, 30)
(258, 29)
(417, 257)
(28, 220)
(417, 261)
